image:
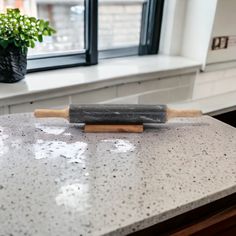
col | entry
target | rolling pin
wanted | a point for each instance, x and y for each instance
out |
(117, 114)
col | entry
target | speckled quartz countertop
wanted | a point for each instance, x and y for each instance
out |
(56, 180)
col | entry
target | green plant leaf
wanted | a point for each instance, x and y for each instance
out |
(22, 36)
(32, 44)
(45, 33)
(4, 43)
(21, 30)
(17, 44)
(33, 19)
(41, 25)
(40, 38)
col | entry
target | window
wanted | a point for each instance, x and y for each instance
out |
(67, 17)
(85, 27)
(119, 23)
(129, 27)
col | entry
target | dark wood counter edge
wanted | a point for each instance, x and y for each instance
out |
(189, 218)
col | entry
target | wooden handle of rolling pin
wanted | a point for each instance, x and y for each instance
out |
(172, 113)
(64, 113)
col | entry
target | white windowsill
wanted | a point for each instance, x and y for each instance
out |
(54, 83)
(212, 105)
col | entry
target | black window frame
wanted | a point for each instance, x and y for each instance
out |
(149, 40)
(72, 59)
(150, 32)
(151, 27)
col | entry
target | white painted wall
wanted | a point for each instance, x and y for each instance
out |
(172, 27)
(199, 21)
(187, 27)
(224, 25)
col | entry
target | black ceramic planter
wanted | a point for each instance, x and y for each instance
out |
(13, 64)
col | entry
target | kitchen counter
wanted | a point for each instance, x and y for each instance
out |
(56, 180)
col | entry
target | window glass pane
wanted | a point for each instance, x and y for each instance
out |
(67, 17)
(119, 23)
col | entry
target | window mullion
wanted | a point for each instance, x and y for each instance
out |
(151, 27)
(91, 31)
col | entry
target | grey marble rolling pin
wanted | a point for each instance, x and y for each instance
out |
(117, 114)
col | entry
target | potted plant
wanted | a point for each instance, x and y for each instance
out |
(18, 33)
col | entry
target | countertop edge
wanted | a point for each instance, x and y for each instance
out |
(151, 221)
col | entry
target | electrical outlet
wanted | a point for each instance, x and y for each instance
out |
(220, 42)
